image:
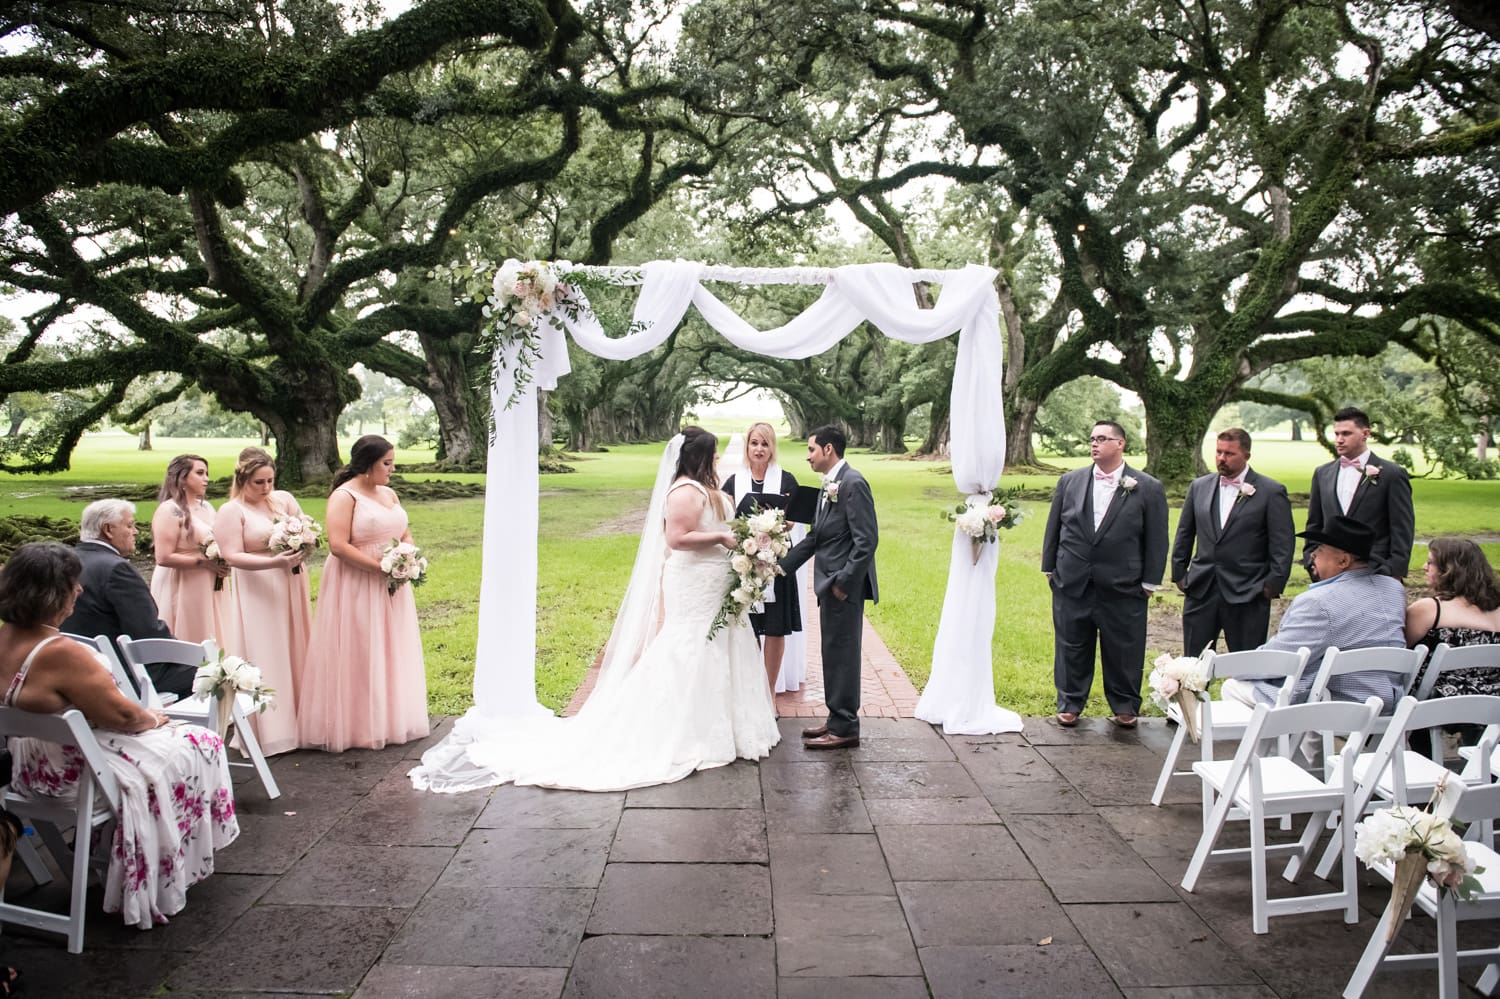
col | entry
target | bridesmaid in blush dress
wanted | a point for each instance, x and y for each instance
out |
(183, 583)
(271, 614)
(366, 685)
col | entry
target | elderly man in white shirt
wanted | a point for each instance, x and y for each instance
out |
(1351, 606)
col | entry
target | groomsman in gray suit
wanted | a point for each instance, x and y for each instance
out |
(1372, 490)
(842, 545)
(1104, 553)
(1240, 523)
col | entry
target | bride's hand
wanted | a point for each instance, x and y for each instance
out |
(727, 540)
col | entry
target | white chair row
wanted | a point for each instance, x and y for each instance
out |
(129, 669)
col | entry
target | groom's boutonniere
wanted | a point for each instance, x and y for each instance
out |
(1371, 474)
(831, 490)
(1128, 483)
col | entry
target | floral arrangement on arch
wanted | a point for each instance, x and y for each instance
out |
(761, 539)
(1180, 679)
(983, 522)
(1420, 845)
(517, 298)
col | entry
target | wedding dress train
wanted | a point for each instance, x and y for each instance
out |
(685, 703)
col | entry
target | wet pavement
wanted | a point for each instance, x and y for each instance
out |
(918, 864)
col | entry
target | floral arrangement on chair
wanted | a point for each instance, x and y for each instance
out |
(983, 522)
(1180, 679)
(226, 678)
(1419, 845)
(402, 563)
(760, 540)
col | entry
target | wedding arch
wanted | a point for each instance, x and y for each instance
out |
(960, 694)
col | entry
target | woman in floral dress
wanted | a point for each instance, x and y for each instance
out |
(177, 804)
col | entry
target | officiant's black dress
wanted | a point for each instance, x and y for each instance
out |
(784, 614)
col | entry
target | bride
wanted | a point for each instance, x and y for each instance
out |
(668, 700)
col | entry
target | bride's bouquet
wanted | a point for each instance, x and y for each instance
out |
(228, 677)
(290, 533)
(761, 539)
(402, 562)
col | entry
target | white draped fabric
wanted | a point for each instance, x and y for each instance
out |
(881, 294)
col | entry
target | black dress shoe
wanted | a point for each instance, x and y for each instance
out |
(831, 741)
(813, 733)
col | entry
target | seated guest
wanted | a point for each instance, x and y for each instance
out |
(115, 599)
(177, 801)
(1350, 607)
(1464, 609)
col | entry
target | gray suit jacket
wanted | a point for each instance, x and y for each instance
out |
(1252, 553)
(115, 600)
(1128, 550)
(844, 537)
(1358, 609)
(1382, 502)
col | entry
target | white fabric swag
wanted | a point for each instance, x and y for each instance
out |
(961, 694)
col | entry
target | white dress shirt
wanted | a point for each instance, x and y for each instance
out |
(1348, 481)
(829, 476)
(1104, 491)
(1229, 495)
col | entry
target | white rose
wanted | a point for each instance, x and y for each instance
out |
(742, 596)
(740, 564)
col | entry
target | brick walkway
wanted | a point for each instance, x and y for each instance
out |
(885, 690)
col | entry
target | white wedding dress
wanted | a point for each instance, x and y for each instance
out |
(683, 703)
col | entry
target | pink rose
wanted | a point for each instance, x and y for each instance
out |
(1372, 471)
(996, 513)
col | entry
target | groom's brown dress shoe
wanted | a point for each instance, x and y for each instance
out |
(1067, 719)
(830, 741)
(814, 733)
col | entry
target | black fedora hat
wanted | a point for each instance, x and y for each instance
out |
(1346, 534)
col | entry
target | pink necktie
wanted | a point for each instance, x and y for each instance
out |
(1348, 462)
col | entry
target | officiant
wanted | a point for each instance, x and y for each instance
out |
(761, 475)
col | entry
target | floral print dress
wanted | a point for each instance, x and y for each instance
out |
(177, 807)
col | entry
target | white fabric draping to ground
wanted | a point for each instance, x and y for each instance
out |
(881, 294)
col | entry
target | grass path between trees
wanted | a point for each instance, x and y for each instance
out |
(587, 542)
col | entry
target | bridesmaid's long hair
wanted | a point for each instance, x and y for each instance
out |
(696, 461)
(252, 460)
(362, 457)
(172, 487)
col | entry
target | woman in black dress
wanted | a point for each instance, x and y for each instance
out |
(783, 614)
(1464, 609)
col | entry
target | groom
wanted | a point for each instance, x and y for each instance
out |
(843, 538)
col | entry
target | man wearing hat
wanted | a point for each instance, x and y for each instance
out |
(1351, 606)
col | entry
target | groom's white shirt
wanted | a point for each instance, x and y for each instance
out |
(829, 476)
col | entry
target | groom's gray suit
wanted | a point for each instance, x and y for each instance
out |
(843, 538)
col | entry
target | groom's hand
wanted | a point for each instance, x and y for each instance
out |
(838, 593)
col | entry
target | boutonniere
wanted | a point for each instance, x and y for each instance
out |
(831, 490)
(1371, 474)
(1246, 490)
(1128, 483)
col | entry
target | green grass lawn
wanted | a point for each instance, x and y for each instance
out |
(587, 541)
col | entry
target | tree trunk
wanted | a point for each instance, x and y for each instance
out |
(939, 431)
(463, 431)
(1482, 445)
(1174, 439)
(1296, 429)
(889, 439)
(307, 446)
(17, 417)
(265, 435)
(543, 422)
(1020, 425)
(143, 442)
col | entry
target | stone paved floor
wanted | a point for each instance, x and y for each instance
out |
(1020, 865)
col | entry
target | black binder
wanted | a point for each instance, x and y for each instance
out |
(801, 506)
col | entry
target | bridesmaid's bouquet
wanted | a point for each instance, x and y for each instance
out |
(761, 539)
(402, 562)
(291, 533)
(210, 549)
(226, 678)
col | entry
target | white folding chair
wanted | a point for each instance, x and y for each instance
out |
(200, 709)
(1446, 659)
(1463, 803)
(1394, 775)
(123, 680)
(1340, 662)
(95, 805)
(1222, 721)
(1270, 786)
